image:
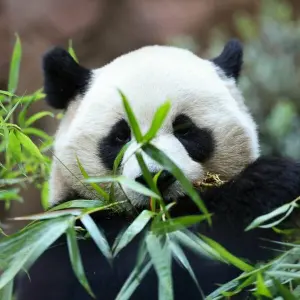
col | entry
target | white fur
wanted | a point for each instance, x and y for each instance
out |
(148, 77)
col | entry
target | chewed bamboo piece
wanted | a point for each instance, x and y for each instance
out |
(210, 180)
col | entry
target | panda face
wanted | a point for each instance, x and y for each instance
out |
(208, 127)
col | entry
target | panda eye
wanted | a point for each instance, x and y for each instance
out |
(182, 125)
(123, 137)
(121, 132)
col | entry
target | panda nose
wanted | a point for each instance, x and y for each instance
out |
(164, 180)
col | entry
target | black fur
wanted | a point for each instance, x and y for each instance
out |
(64, 78)
(198, 142)
(231, 59)
(110, 146)
(262, 186)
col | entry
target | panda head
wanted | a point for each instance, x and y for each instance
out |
(208, 129)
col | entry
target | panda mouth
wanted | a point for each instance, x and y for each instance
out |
(165, 181)
(168, 186)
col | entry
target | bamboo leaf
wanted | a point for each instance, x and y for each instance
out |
(45, 195)
(32, 97)
(78, 204)
(49, 215)
(97, 236)
(153, 200)
(12, 194)
(119, 158)
(227, 255)
(146, 173)
(1, 105)
(36, 132)
(151, 183)
(275, 223)
(96, 187)
(261, 287)
(6, 293)
(161, 259)
(133, 282)
(14, 146)
(8, 94)
(157, 121)
(15, 66)
(290, 275)
(193, 242)
(219, 292)
(21, 117)
(27, 143)
(2, 232)
(105, 206)
(76, 261)
(176, 224)
(11, 111)
(136, 276)
(135, 186)
(261, 219)
(132, 119)
(134, 228)
(71, 51)
(283, 291)
(116, 165)
(181, 257)
(38, 116)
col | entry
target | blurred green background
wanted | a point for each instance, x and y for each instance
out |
(271, 81)
(271, 75)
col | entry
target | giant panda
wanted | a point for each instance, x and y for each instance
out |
(219, 136)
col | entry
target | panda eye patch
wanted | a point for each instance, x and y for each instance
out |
(110, 146)
(198, 142)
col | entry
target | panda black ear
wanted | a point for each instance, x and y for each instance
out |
(231, 59)
(64, 78)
